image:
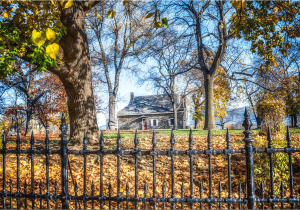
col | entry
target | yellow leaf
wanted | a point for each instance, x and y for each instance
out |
(50, 34)
(238, 5)
(111, 14)
(69, 4)
(5, 15)
(121, 190)
(125, 2)
(221, 25)
(99, 16)
(38, 38)
(157, 24)
(52, 50)
(149, 15)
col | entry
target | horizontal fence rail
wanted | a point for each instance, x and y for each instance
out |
(250, 198)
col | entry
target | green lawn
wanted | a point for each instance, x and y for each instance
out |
(185, 132)
(179, 132)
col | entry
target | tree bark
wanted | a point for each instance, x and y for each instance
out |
(31, 121)
(31, 108)
(209, 103)
(75, 74)
(197, 123)
(295, 121)
(112, 112)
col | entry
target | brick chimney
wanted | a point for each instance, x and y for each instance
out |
(131, 96)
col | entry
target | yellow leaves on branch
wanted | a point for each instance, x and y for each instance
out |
(5, 15)
(38, 38)
(125, 2)
(111, 14)
(50, 34)
(52, 50)
(157, 24)
(67, 4)
(149, 15)
(238, 5)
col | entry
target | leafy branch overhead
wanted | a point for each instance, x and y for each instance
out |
(268, 25)
(34, 28)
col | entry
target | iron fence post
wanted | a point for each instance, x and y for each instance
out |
(64, 162)
(250, 184)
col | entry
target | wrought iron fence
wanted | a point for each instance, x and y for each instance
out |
(250, 199)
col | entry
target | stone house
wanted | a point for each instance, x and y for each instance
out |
(150, 112)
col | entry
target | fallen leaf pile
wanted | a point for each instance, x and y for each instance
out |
(127, 171)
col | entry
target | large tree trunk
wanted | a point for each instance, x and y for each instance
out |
(209, 103)
(31, 109)
(112, 112)
(292, 120)
(31, 121)
(197, 123)
(75, 74)
(175, 116)
(295, 121)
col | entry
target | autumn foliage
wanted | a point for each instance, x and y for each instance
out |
(145, 170)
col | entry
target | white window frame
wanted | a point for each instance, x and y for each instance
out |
(170, 121)
(153, 123)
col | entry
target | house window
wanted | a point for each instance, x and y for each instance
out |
(171, 121)
(154, 122)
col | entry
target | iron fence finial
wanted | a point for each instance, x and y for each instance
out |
(247, 125)
(101, 141)
(92, 185)
(191, 140)
(247, 122)
(47, 141)
(84, 141)
(228, 139)
(4, 141)
(209, 139)
(145, 188)
(18, 141)
(288, 137)
(118, 141)
(32, 140)
(172, 140)
(269, 138)
(136, 141)
(154, 141)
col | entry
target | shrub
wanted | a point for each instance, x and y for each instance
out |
(271, 114)
(231, 127)
(280, 164)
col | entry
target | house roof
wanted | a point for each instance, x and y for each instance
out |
(151, 104)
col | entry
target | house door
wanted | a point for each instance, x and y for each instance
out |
(144, 124)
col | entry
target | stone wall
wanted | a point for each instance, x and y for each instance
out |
(135, 122)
